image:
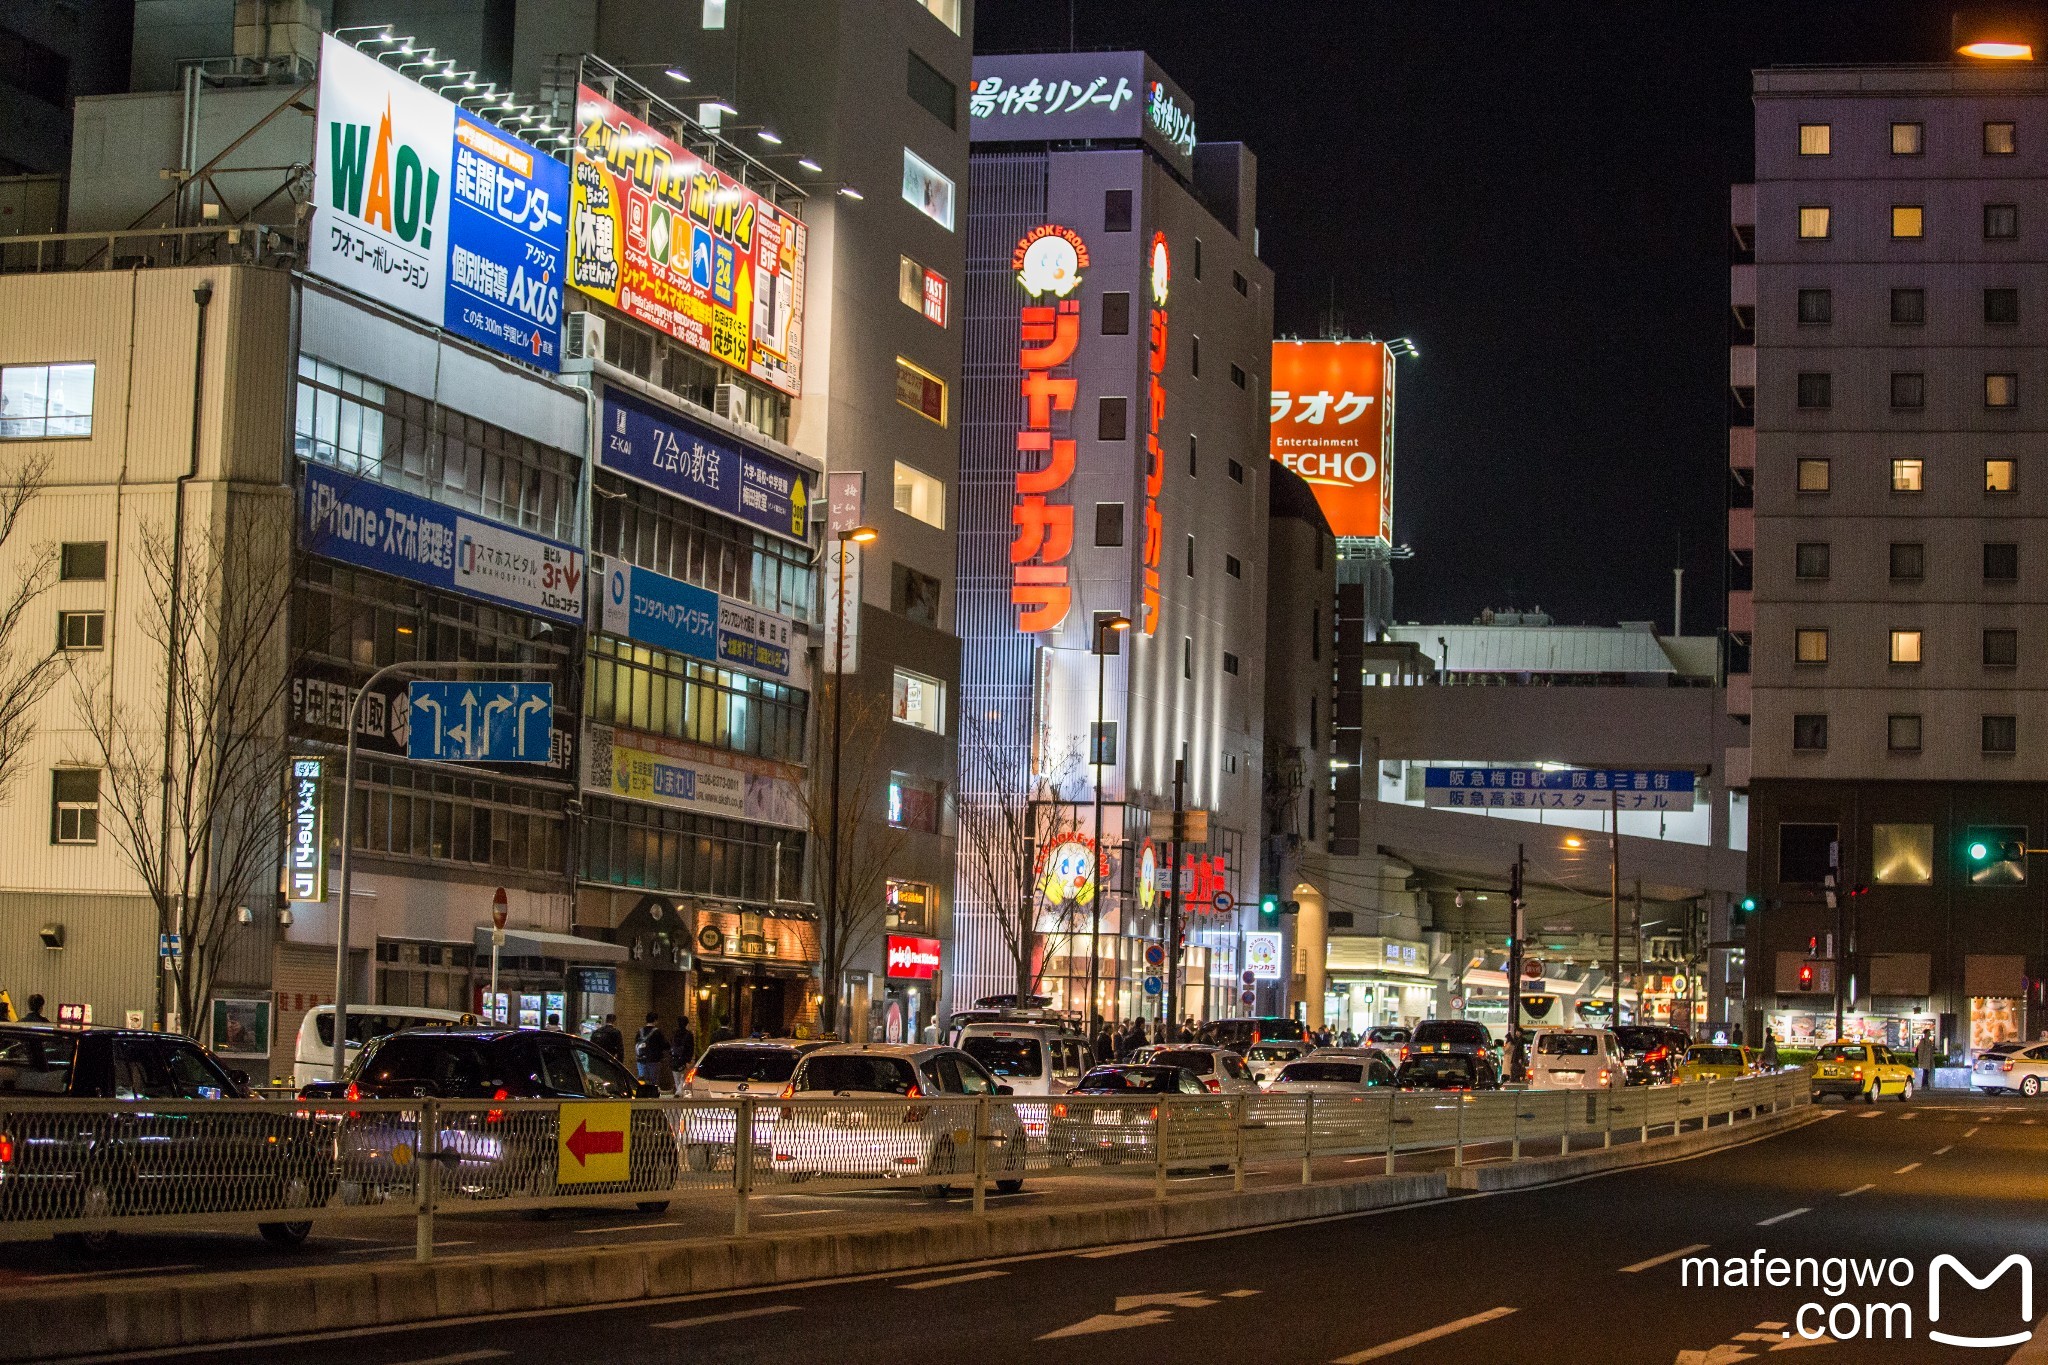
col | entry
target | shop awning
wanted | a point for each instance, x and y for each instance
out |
(534, 943)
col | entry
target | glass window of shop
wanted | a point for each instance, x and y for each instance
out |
(659, 848)
(690, 374)
(366, 620)
(661, 693)
(425, 813)
(433, 975)
(684, 541)
(405, 441)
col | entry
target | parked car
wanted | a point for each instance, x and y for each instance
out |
(1035, 1059)
(1392, 1039)
(1577, 1059)
(744, 1068)
(313, 1051)
(489, 1153)
(1652, 1051)
(1266, 1058)
(1466, 1037)
(1220, 1070)
(1715, 1062)
(909, 1114)
(1866, 1069)
(139, 1160)
(1100, 1119)
(1449, 1071)
(2024, 1069)
(1331, 1076)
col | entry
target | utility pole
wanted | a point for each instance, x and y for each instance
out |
(1639, 954)
(1614, 900)
(1515, 1061)
(1168, 1005)
(1839, 940)
(1103, 631)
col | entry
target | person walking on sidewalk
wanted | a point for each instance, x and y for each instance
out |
(1924, 1057)
(1770, 1057)
(682, 1052)
(650, 1050)
(607, 1039)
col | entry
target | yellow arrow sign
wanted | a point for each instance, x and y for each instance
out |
(594, 1143)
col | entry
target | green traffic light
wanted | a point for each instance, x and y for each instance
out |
(1748, 904)
(1979, 851)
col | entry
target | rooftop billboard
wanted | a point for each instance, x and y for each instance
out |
(1333, 424)
(1081, 96)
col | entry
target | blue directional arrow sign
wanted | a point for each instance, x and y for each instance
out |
(481, 722)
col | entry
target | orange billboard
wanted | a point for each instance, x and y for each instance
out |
(1333, 424)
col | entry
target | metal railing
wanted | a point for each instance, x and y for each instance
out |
(84, 1167)
(148, 248)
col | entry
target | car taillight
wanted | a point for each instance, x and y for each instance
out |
(1604, 1074)
(2002, 1066)
(788, 1092)
(1215, 1086)
(354, 1092)
(914, 1092)
(498, 1115)
(1153, 1114)
(6, 1149)
(1059, 1111)
(1857, 1074)
(690, 1076)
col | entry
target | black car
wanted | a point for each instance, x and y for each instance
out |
(1104, 1115)
(142, 1159)
(1239, 1034)
(1465, 1037)
(1653, 1051)
(485, 1152)
(1448, 1071)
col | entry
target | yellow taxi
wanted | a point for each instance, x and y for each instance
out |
(1715, 1062)
(1865, 1069)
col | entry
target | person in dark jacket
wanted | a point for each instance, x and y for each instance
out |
(1104, 1043)
(682, 1052)
(607, 1038)
(650, 1050)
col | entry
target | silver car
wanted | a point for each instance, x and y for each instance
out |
(1220, 1070)
(1266, 1058)
(741, 1068)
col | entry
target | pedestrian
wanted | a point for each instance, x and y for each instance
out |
(650, 1050)
(555, 1022)
(1187, 1031)
(682, 1049)
(607, 1039)
(1101, 1045)
(1924, 1056)
(1770, 1057)
(35, 1011)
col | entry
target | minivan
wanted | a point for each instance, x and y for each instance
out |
(1030, 1058)
(313, 1054)
(1577, 1059)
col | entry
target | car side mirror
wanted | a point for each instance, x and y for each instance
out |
(240, 1078)
(1006, 1090)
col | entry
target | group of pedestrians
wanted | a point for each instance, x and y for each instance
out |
(34, 1015)
(659, 1058)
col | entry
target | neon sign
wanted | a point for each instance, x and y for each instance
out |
(1155, 457)
(1049, 259)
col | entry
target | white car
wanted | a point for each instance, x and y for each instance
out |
(2024, 1069)
(1035, 1059)
(313, 1050)
(1577, 1059)
(893, 1110)
(1266, 1058)
(743, 1068)
(1220, 1070)
(1352, 1076)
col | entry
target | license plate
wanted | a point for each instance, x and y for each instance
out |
(1568, 1075)
(1108, 1117)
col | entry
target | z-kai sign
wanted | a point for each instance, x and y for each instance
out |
(1048, 260)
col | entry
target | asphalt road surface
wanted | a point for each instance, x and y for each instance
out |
(1583, 1272)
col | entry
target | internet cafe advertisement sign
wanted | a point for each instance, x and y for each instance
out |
(666, 237)
(443, 216)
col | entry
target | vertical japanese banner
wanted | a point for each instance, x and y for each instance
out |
(1155, 454)
(845, 495)
(1049, 261)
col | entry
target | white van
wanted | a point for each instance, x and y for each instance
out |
(313, 1055)
(1031, 1058)
(1577, 1059)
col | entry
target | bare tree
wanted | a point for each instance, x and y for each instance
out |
(1008, 815)
(868, 844)
(27, 670)
(192, 772)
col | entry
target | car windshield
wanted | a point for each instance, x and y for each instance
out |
(1347, 1073)
(1201, 1063)
(1006, 1056)
(1388, 1035)
(36, 1063)
(853, 1071)
(1841, 1052)
(1130, 1080)
(1715, 1056)
(1438, 1068)
(728, 1063)
(1568, 1045)
(1462, 1031)
(1272, 1052)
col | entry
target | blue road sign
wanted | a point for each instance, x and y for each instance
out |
(1595, 789)
(1155, 955)
(481, 722)
(1151, 985)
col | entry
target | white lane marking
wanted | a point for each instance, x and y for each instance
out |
(1660, 1260)
(1909, 1166)
(1944, 1151)
(1118, 1251)
(798, 1213)
(1858, 1190)
(1972, 1133)
(1418, 1338)
(956, 1279)
(1240, 1293)
(1768, 1222)
(1870, 1114)
(1909, 1114)
(733, 1316)
(398, 1246)
(624, 1227)
(460, 1358)
(105, 1274)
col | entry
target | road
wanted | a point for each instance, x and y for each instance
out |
(1584, 1272)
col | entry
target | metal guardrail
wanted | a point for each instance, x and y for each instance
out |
(207, 244)
(86, 1167)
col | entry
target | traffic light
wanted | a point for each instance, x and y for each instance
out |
(1269, 911)
(1806, 976)
(1744, 908)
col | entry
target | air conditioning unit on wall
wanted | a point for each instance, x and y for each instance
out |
(730, 401)
(582, 341)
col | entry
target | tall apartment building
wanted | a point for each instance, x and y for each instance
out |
(1900, 484)
(1113, 465)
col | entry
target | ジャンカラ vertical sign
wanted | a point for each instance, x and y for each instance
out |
(305, 854)
(1333, 424)
(1155, 454)
(666, 237)
(1049, 261)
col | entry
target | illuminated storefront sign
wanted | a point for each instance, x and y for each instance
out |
(1333, 424)
(1066, 871)
(1047, 260)
(1262, 954)
(1202, 877)
(1155, 455)
(1148, 876)
(665, 772)
(1077, 96)
(669, 239)
(915, 958)
(305, 854)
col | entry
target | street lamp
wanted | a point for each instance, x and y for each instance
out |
(1104, 629)
(852, 535)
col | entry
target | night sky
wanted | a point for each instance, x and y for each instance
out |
(1537, 194)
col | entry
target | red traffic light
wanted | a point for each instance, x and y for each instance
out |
(1806, 976)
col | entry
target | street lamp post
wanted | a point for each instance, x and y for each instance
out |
(1102, 630)
(852, 535)
(348, 801)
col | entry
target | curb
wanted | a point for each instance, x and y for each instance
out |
(223, 1308)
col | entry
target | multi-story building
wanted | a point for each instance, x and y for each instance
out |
(1895, 709)
(1113, 469)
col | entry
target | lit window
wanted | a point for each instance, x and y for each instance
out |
(2001, 734)
(714, 13)
(926, 190)
(1908, 476)
(1905, 646)
(1813, 139)
(2001, 222)
(81, 629)
(1908, 220)
(1908, 139)
(920, 495)
(2001, 390)
(2001, 476)
(1902, 855)
(75, 806)
(919, 701)
(40, 401)
(1812, 647)
(1813, 221)
(1902, 736)
(1810, 732)
(946, 12)
(921, 290)
(1999, 140)
(923, 392)
(1813, 476)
